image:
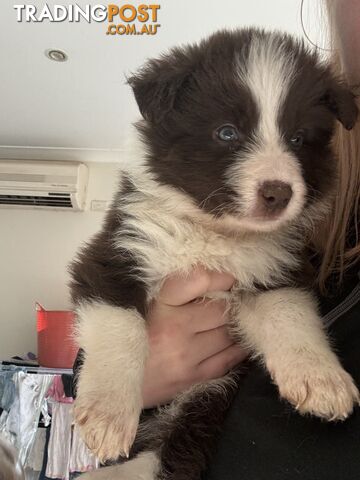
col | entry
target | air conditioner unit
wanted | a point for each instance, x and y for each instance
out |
(43, 184)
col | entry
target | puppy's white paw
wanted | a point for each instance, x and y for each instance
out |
(109, 423)
(321, 388)
(109, 386)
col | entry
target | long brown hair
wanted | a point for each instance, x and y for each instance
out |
(338, 252)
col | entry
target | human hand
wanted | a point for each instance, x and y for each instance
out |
(188, 341)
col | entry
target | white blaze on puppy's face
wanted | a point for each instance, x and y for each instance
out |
(267, 161)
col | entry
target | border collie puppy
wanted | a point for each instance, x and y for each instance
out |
(235, 168)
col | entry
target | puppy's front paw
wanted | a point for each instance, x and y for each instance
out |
(321, 388)
(108, 422)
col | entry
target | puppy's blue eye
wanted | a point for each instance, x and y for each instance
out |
(227, 133)
(297, 139)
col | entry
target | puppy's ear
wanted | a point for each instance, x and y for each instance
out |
(341, 102)
(159, 85)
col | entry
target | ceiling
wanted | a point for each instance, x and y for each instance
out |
(81, 109)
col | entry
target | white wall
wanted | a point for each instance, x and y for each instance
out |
(35, 248)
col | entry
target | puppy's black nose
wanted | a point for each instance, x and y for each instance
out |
(275, 195)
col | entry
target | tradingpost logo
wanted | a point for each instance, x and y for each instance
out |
(124, 19)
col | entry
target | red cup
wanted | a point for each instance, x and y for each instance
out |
(56, 345)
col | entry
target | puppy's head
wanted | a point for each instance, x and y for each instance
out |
(242, 122)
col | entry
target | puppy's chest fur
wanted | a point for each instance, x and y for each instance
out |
(164, 242)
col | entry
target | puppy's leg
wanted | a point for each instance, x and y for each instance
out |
(109, 397)
(284, 328)
(144, 467)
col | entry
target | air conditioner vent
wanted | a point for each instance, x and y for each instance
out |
(63, 201)
(56, 194)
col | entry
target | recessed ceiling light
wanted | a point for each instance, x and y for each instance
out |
(56, 55)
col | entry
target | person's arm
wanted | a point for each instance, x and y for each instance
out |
(188, 340)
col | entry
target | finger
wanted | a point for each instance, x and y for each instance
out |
(206, 315)
(181, 289)
(220, 364)
(209, 343)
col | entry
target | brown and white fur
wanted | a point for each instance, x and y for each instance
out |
(234, 168)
